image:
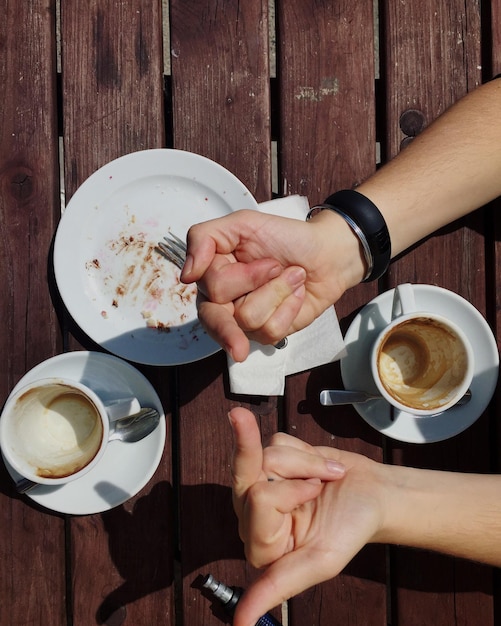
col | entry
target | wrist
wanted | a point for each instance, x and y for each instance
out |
(417, 509)
(350, 264)
(367, 223)
(393, 500)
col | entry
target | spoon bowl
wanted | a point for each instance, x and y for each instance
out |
(134, 427)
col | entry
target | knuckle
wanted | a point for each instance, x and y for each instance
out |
(213, 292)
(281, 439)
(210, 286)
(257, 497)
(253, 557)
(247, 315)
(270, 458)
(275, 330)
(193, 232)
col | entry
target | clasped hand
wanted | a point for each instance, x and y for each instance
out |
(303, 511)
(264, 277)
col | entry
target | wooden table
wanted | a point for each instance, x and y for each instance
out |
(86, 82)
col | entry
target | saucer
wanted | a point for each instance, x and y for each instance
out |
(402, 426)
(118, 288)
(125, 467)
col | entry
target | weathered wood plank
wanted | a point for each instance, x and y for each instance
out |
(30, 188)
(326, 85)
(112, 83)
(122, 561)
(221, 109)
(32, 584)
(432, 59)
(495, 35)
(220, 85)
(328, 142)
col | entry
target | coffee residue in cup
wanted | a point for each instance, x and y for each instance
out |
(421, 363)
(60, 428)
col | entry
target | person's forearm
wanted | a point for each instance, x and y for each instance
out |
(450, 169)
(452, 513)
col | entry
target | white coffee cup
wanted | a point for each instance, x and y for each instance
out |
(55, 430)
(421, 362)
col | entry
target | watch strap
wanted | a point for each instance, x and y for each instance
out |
(368, 224)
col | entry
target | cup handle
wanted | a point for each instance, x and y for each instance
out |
(121, 407)
(403, 300)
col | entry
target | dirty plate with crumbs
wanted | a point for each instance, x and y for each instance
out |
(117, 287)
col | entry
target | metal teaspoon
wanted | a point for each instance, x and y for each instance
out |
(333, 397)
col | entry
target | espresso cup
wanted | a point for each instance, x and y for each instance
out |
(55, 430)
(421, 362)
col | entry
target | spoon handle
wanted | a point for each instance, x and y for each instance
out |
(332, 397)
(24, 484)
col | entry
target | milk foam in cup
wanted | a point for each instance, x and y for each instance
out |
(54, 430)
(422, 363)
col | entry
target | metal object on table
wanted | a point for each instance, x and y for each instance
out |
(229, 597)
(134, 427)
(130, 429)
(334, 397)
(174, 249)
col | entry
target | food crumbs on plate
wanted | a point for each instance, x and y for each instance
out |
(130, 272)
(151, 322)
(165, 328)
(94, 264)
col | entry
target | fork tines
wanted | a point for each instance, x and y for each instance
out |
(173, 249)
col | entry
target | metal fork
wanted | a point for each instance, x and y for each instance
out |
(174, 249)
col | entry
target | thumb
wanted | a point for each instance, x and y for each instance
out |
(287, 577)
(199, 255)
(247, 459)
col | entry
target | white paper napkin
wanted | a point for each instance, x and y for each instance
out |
(263, 372)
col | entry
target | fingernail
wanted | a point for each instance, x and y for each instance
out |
(229, 351)
(336, 468)
(296, 277)
(275, 271)
(187, 267)
(300, 292)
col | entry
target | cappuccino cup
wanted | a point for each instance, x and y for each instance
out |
(421, 362)
(55, 430)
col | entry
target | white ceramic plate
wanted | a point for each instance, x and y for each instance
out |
(356, 374)
(119, 290)
(125, 467)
